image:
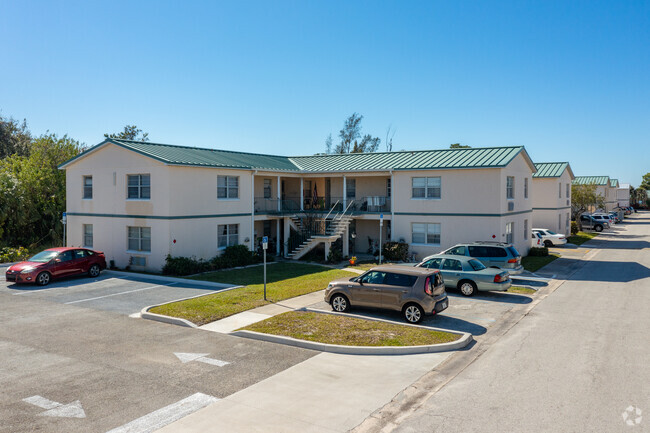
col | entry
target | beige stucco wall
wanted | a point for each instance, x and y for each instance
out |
(623, 197)
(550, 203)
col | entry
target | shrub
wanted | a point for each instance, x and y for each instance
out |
(538, 252)
(335, 256)
(184, 266)
(235, 255)
(8, 254)
(575, 228)
(395, 251)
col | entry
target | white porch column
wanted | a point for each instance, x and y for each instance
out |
(285, 241)
(302, 200)
(346, 242)
(277, 237)
(327, 248)
(345, 193)
(279, 206)
(252, 237)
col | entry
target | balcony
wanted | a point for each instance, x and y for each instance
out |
(319, 204)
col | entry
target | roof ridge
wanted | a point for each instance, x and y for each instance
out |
(407, 151)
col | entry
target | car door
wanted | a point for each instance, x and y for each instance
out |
(367, 291)
(585, 221)
(395, 288)
(63, 264)
(451, 272)
(79, 261)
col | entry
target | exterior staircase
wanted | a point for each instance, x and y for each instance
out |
(322, 230)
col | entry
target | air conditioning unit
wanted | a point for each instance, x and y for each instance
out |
(511, 205)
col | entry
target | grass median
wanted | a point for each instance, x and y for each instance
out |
(581, 237)
(284, 281)
(348, 331)
(534, 263)
(522, 290)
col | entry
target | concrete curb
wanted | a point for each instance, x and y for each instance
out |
(465, 339)
(145, 314)
(168, 279)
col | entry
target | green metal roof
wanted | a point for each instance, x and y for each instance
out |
(484, 157)
(195, 156)
(613, 183)
(587, 180)
(550, 169)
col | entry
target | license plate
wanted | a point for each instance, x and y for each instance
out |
(443, 305)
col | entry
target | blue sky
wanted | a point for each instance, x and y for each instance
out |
(567, 79)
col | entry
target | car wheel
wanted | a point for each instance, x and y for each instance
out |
(340, 303)
(548, 243)
(413, 313)
(43, 279)
(598, 228)
(467, 288)
(94, 271)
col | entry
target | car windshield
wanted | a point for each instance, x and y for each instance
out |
(476, 265)
(43, 256)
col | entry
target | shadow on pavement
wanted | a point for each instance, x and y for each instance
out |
(507, 298)
(613, 272)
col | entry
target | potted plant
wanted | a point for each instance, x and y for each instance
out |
(353, 260)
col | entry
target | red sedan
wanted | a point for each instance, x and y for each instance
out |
(57, 263)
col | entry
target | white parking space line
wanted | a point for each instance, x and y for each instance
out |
(50, 288)
(168, 414)
(118, 294)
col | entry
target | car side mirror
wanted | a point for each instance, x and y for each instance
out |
(56, 260)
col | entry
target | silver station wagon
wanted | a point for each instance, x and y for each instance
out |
(411, 290)
(467, 274)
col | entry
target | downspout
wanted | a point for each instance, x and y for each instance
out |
(253, 210)
(392, 208)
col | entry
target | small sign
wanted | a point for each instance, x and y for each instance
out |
(381, 219)
(64, 218)
(265, 242)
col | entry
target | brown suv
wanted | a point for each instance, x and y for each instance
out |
(413, 291)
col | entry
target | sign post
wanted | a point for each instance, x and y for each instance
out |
(381, 224)
(265, 245)
(64, 220)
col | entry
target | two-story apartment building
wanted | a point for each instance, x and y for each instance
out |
(139, 201)
(603, 188)
(552, 196)
(623, 194)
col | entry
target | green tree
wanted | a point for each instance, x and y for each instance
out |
(351, 139)
(131, 132)
(645, 183)
(14, 137)
(459, 146)
(32, 191)
(584, 198)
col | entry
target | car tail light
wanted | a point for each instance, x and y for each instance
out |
(512, 261)
(427, 286)
(562, 238)
(499, 277)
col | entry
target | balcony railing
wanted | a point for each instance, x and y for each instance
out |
(369, 204)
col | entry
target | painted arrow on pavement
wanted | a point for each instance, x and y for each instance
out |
(70, 410)
(199, 357)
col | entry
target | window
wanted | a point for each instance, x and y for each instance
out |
(267, 188)
(139, 238)
(374, 277)
(79, 254)
(388, 185)
(139, 186)
(227, 187)
(227, 235)
(510, 187)
(510, 237)
(88, 187)
(88, 235)
(478, 251)
(65, 256)
(426, 233)
(457, 251)
(525, 229)
(559, 223)
(559, 190)
(452, 265)
(568, 190)
(351, 188)
(476, 265)
(400, 280)
(425, 187)
(267, 228)
(567, 223)
(433, 264)
(525, 187)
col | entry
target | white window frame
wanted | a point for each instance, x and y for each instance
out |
(526, 187)
(227, 187)
(429, 185)
(231, 237)
(141, 235)
(510, 232)
(510, 187)
(87, 187)
(140, 187)
(426, 233)
(87, 234)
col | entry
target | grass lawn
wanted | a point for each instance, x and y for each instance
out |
(522, 290)
(348, 331)
(581, 238)
(534, 263)
(284, 280)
